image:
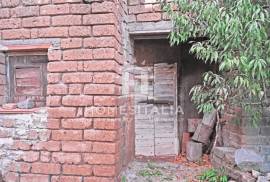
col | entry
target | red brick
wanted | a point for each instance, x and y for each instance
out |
(102, 66)
(11, 176)
(71, 43)
(54, 9)
(30, 156)
(25, 11)
(105, 101)
(66, 135)
(8, 123)
(101, 112)
(10, 23)
(140, 9)
(66, 179)
(78, 54)
(96, 42)
(80, 8)
(104, 30)
(53, 100)
(43, 21)
(65, 1)
(16, 34)
(53, 123)
(101, 89)
(10, 3)
(77, 77)
(5, 133)
(98, 179)
(60, 89)
(54, 55)
(34, 178)
(108, 124)
(52, 32)
(21, 145)
(104, 53)
(104, 7)
(100, 135)
(80, 31)
(66, 158)
(46, 168)
(35, 2)
(99, 158)
(107, 148)
(33, 135)
(66, 20)
(77, 123)
(133, 2)
(45, 156)
(83, 170)
(77, 100)
(61, 112)
(185, 140)
(20, 167)
(48, 145)
(106, 78)
(62, 66)
(149, 17)
(109, 171)
(4, 13)
(75, 88)
(97, 19)
(71, 146)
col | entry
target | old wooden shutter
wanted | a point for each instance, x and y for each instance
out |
(27, 78)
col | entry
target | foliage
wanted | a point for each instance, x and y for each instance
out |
(150, 171)
(233, 35)
(213, 175)
(124, 179)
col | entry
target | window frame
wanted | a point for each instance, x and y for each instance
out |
(10, 79)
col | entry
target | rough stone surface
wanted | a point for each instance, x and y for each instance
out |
(27, 104)
(161, 171)
(247, 160)
(194, 151)
(262, 179)
(18, 133)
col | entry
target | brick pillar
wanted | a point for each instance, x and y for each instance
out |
(84, 84)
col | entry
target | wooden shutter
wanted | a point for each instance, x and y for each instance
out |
(27, 78)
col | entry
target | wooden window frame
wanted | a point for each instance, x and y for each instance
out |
(10, 77)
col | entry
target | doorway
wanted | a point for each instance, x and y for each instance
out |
(156, 118)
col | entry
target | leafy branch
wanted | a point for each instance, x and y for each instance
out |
(236, 38)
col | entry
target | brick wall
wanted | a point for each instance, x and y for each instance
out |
(245, 135)
(145, 11)
(84, 85)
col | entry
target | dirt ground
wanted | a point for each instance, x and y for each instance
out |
(177, 170)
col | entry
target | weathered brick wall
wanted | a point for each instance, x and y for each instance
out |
(145, 11)
(84, 85)
(25, 147)
(246, 135)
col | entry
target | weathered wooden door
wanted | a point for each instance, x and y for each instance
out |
(156, 132)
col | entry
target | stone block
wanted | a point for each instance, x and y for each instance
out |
(194, 151)
(193, 124)
(262, 179)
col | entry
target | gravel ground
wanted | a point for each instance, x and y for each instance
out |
(152, 171)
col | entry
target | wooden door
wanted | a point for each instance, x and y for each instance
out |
(156, 132)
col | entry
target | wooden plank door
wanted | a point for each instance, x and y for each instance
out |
(165, 120)
(156, 132)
